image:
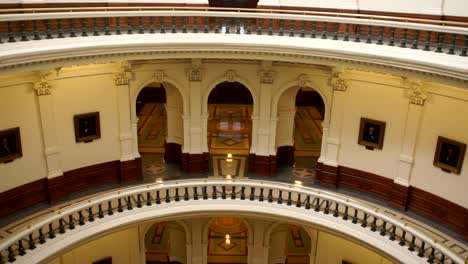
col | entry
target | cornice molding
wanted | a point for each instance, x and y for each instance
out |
(411, 69)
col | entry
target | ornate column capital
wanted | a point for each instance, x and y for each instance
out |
(267, 76)
(303, 80)
(417, 94)
(337, 82)
(43, 86)
(230, 75)
(123, 78)
(159, 76)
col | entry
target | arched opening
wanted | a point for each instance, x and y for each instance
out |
(152, 119)
(230, 106)
(165, 243)
(301, 112)
(227, 241)
(159, 108)
(289, 244)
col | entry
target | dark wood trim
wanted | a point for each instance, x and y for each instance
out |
(131, 170)
(195, 163)
(439, 209)
(261, 165)
(23, 196)
(172, 153)
(405, 198)
(285, 156)
(327, 175)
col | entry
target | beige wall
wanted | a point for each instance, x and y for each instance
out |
(19, 108)
(123, 246)
(332, 250)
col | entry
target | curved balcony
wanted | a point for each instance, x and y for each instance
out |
(423, 45)
(55, 232)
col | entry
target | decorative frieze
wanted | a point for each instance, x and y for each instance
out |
(337, 82)
(42, 87)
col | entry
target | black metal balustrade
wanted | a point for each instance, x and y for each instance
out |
(248, 191)
(437, 36)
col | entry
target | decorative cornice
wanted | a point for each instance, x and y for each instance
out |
(337, 82)
(267, 76)
(42, 87)
(230, 75)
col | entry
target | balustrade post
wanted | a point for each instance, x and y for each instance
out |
(325, 30)
(84, 26)
(380, 38)
(51, 231)
(427, 43)
(404, 39)
(214, 195)
(186, 195)
(415, 40)
(129, 26)
(95, 27)
(355, 218)
(252, 194)
(41, 237)
(61, 226)
(391, 40)
(11, 255)
(21, 249)
(72, 29)
(465, 47)
(260, 197)
(195, 193)
(292, 25)
(204, 193)
(176, 196)
(233, 193)
(23, 31)
(80, 218)
(452, 45)
(106, 27)
(11, 37)
(167, 197)
(369, 34)
(91, 214)
(109, 208)
(223, 193)
(31, 244)
(440, 42)
(243, 193)
(141, 29)
(298, 202)
(71, 223)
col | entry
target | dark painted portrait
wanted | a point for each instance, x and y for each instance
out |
(371, 133)
(449, 155)
(87, 127)
(10, 145)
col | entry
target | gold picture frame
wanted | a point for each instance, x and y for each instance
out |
(449, 155)
(10, 145)
(371, 133)
(87, 127)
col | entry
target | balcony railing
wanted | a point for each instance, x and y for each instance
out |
(312, 201)
(17, 25)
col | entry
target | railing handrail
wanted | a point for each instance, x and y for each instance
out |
(308, 191)
(100, 14)
(240, 10)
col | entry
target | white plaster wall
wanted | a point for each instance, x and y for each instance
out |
(427, 7)
(332, 250)
(82, 95)
(368, 97)
(122, 246)
(443, 115)
(19, 108)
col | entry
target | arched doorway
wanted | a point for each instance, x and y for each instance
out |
(230, 106)
(301, 112)
(227, 241)
(165, 242)
(159, 108)
(152, 119)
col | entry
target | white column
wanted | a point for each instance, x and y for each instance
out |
(198, 249)
(187, 136)
(417, 98)
(49, 131)
(204, 121)
(273, 123)
(174, 126)
(264, 99)
(256, 249)
(253, 148)
(285, 128)
(122, 81)
(323, 148)
(337, 112)
(134, 127)
(196, 127)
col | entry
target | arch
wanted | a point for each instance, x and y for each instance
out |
(221, 79)
(207, 225)
(309, 83)
(168, 83)
(90, 231)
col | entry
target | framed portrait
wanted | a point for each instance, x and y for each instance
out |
(449, 155)
(10, 145)
(371, 133)
(87, 127)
